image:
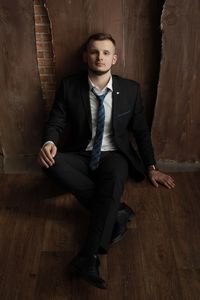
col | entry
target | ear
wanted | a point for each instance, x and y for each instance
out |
(85, 57)
(114, 59)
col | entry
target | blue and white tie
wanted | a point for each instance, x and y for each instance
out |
(96, 151)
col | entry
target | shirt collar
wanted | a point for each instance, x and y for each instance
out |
(109, 85)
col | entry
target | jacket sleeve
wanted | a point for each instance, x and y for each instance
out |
(141, 132)
(57, 118)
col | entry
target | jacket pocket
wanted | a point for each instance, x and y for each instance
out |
(123, 114)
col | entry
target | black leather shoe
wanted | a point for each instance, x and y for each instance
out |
(124, 215)
(87, 268)
(118, 232)
(125, 211)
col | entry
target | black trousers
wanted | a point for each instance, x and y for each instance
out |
(99, 191)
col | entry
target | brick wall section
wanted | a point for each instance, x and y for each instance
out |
(45, 55)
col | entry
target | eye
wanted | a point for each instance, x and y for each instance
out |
(93, 51)
(106, 52)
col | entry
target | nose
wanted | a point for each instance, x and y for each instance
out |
(100, 56)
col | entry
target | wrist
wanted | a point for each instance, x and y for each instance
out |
(48, 142)
(152, 168)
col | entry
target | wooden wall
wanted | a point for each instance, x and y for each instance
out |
(136, 27)
(176, 126)
(21, 107)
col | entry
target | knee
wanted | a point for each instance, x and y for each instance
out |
(115, 169)
(116, 175)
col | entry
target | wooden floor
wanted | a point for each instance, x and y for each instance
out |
(42, 228)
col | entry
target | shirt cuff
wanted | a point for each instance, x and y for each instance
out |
(152, 168)
(48, 142)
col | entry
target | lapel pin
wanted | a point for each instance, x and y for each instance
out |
(117, 93)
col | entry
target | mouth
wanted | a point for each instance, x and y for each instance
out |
(99, 64)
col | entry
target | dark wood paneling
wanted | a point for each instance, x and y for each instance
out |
(177, 123)
(72, 23)
(142, 47)
(134, 25)
(21, 114)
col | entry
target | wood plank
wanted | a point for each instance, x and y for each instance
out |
(21, 238)
(55, 282)
(182, 213)
(62, 213)
(125, 262)
(154, 247)
(22, 117)
(176, 121)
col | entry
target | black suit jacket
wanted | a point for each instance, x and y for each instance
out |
(72, 109)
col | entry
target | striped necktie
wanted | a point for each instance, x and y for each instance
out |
(96, 151)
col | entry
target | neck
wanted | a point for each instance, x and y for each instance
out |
(100, 81)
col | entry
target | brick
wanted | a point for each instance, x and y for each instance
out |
(40, 10)
(42, 20)
(45, 19)
(42, 28)
(40, 54)
(45, 62)
(47, 78)
(41, 70)
(47, 70)
(49, 91)
(45, 50)
(38, 36)
(42, 37)
(49, 86)
(38, 20)
(39, 40)
(48, 54)
(43, 45)
(38, 2)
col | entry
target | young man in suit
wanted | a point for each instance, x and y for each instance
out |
(100, 110)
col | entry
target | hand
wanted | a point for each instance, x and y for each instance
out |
(156, 177)
(46, 155)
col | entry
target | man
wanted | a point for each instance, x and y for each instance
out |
(100, 110)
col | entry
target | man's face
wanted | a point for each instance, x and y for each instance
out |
(100, 56)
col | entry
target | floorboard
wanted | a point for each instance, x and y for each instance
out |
(42, 228)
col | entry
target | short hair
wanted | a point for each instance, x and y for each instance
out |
(99, 37)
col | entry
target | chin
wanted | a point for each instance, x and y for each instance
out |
(99, 72)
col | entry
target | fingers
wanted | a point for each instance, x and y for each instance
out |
(162, 178)
(46, 154)
(171, 182)
(54, 151)
(42, 162)
(167, 181)
(154, 182)
(166, 184)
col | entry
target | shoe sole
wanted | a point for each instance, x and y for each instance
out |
(120, 237)
(75, 272)
(131, 216)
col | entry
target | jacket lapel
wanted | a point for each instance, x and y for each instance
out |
(85, 98)
(116, 100)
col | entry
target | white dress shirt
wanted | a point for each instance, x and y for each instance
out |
(107, 143)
